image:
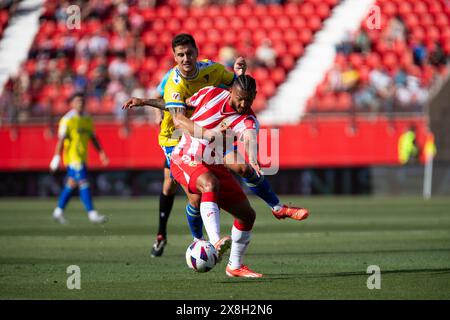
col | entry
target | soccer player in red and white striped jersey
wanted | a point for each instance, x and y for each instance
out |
(197, 164)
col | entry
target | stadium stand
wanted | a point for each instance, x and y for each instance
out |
(390, 68)
(122, 49)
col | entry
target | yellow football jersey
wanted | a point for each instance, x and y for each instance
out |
(76, 130)
(178, 89)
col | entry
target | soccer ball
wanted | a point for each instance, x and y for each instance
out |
(201, 256)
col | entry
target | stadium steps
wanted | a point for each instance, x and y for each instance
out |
(289, 102)
(18, 37)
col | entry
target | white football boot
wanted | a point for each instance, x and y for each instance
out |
(58, 216)
(95, 217)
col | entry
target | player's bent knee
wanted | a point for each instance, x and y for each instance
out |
(208, 183)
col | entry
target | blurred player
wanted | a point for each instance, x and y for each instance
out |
(184, 80)
(195, 167)
(74, 132)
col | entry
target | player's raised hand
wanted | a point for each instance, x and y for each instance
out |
(133, 102)
(240, 66)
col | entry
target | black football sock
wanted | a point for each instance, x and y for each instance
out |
(165, 207)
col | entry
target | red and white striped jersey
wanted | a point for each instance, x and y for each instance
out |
(213, 111)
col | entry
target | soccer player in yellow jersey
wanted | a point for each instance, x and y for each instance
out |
(182, 82)
(75, 131)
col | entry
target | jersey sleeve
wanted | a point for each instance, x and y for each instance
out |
(162, 84)
(248, 123)
(63, 127)
(174, 94)
(227, 76)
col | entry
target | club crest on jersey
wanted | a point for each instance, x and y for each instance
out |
(192, 164)
(206, 78)
(176, 96)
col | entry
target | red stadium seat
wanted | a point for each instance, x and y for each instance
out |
(426, 20)
(419, 8)
(252, 23)
(343, 102)
(280, 48)
(228, 10)
(260, 74)
(404, 8)
(283, 22)
(206, 23)
(275, 10)
(314, 23)
(298, 22)
(292, 9)
(276, 35)
(278, 75)
(287, 62)
(306, 9)
(305, 36)
(213, 11)
(356, 59)
(268, 23)
(260, 10)
(323, 11)
(295, 49)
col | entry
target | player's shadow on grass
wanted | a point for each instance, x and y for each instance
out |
(305, 253)
(351, 273)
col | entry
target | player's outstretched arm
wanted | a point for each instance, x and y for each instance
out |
(251, 149)
(189, 126)
(140, 102)
(54, 163)
(103, 158)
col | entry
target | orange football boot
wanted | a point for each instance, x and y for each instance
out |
(291, 212)
(243, 272)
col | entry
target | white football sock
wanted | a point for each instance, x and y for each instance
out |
(58, 212)
(240, 240)
(210, 213)
(277, 207)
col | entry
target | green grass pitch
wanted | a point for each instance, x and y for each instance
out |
(323, 257)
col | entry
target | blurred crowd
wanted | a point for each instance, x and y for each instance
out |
(387, 85)
(100, 63)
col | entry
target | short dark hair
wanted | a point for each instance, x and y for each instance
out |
(183, 39)
(246, 83)
(75, 95)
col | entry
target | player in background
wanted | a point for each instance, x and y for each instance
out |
(75, 130)
(197, 168)
(186, 79)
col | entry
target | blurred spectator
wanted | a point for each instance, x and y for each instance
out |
(335, 78)
(400, 77)
(381, 82)
(419, 53)
(227, 55)
(350, 78)
(437, 55)
(98, 44)
(346, 45)
(396, 29)
(99, 83)
(362, 42)
(265, 55)
(80, 80)
(119, 68)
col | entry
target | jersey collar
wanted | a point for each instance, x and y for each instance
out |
(227, 108)
(177, 70)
